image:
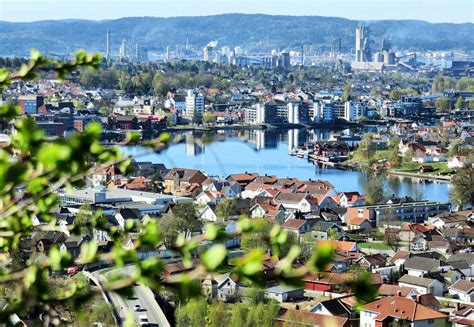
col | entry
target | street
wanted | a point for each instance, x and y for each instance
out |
(142, 296)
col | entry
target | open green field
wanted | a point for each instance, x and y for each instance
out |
(440, 168)
(375, 246)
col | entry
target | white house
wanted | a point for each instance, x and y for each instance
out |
(285, 293)
(208, 197)
(422, 285)
(457, 162)
(206, 213)
(419, 266)
(227, 288)
(295, 202)
(462, 290)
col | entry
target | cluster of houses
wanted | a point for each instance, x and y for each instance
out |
(430, 289)
(430, 144)
(427, 278)
(63, 108)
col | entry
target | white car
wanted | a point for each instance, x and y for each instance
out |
(137, 307)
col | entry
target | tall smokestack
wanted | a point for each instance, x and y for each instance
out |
(107, 44)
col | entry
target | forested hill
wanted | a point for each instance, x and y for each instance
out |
(249, 31)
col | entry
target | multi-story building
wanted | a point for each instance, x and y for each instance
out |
(327, 113)
(414, 211)
(30, 104)
(284, 60)
(354, 110)
(298, 113)
(409, 106)
(194, 105)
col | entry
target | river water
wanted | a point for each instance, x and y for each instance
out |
(267, 152)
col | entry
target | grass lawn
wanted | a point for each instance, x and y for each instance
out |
(375, 246)
(440, 167)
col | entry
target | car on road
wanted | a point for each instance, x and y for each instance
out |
(137, 307)
(143, 320)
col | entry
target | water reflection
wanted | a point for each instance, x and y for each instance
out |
(220, 153)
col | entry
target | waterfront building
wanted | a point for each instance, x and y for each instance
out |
(194, 105)
(354, 110)
(327, 113)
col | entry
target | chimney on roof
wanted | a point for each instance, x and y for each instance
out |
(457, 305)
(399, 293)
(417, 298)
(297, 307)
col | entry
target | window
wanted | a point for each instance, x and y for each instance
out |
(431, 321)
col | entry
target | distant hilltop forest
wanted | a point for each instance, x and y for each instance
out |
(252, 32)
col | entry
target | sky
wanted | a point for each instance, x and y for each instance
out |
(452, 11)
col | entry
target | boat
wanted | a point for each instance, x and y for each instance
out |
(301, 153)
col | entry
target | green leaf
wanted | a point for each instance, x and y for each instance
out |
(88, 252)
(214, 232)
(214, 256)
(321, 257)
(58, 259)
(132, 138)
(9, 111)
(164, 137)
(250, 264)
(3, 75)
(150, 235)
(363, 288)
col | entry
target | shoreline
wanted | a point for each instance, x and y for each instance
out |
(284, 126)
(420, 176)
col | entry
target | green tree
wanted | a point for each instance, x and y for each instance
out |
(394, 143)
(109, 79)
(394, 158)
(463, 187)
(161, 85)
(464, 83)
(239, 315)
(226, 208)
(459, 103)
(471, 104)
(90, 78)
(346, 95)
(84, 219)
(122, 82)
(218, 314)
(262, 314)
(374, 190)
(442, 104)
(255, 295)
(333, 234)
(208, 118)
(306, 243)
(456, 149)
(397, 93)
(182, 220)
(256, 238)
(366, 149)
(192, 314)
(105, 110)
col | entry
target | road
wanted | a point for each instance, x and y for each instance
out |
(143, 296)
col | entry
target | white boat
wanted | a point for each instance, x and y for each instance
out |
(301, 153)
